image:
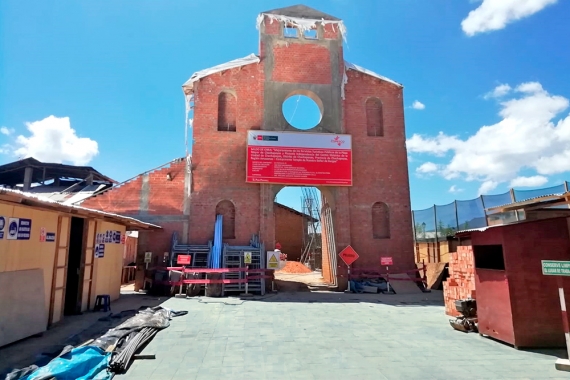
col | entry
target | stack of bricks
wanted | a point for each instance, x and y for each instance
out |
(461, 281)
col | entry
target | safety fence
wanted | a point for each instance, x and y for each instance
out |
(179, 276)
(437, 222)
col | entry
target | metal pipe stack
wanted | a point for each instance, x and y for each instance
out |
(119, 362)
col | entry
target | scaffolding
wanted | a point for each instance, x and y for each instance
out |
(311, 206)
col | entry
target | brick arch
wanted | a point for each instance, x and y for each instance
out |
(380, 221)
(227, 112)
(374, 117)
(228, 210)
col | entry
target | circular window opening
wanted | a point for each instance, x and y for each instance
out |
(301, 112)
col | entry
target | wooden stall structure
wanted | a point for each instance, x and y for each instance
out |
(54, 260)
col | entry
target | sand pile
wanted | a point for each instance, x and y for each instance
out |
(294, 267)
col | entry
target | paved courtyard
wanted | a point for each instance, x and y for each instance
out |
(319, 335)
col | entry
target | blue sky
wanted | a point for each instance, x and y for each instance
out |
(495, 85)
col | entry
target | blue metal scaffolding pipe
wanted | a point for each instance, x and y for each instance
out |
(216, 256)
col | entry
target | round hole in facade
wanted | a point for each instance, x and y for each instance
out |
(303, 110)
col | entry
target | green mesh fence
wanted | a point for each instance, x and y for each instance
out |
(438, 222)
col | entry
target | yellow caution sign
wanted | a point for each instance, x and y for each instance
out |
(247, 257)
(272, 260)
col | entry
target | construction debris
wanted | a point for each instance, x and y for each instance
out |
(111, 353)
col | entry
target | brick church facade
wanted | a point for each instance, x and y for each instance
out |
(373, 215)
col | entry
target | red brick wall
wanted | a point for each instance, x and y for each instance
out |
(331, 31)
(301, 63)
(289, 232)
(380, 173)
(219, 157)
(272, 26)
(165, 198)
(124, 199)
(461, 281)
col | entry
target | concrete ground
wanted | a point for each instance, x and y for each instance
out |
(305, 334)
(73, 330)
(323, 335)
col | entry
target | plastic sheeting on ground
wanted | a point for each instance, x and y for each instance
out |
(80, 363)
(358, 286)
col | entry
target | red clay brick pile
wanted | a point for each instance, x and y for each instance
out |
(461, 281)
(294, 267)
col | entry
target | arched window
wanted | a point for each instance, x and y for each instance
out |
(380, 221)
(228, 210)
(227, 110)
(374, 117)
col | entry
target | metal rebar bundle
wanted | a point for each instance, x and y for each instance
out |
(119, 362)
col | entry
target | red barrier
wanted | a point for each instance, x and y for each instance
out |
(219, 270)
(217, 281)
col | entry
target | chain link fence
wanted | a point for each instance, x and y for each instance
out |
(437, 222)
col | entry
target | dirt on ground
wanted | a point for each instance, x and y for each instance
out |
(294, 267)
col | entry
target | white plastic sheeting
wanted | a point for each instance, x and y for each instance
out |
(352, 66)
(302, 24)
(189, 84)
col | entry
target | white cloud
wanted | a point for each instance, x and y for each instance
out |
(454, 189)
(530, 135)
(427, 168)
(534, 181)
(496, 14)
(530, 88)
(53, 140)
(417, 105)
(6, 131)
(487, 186)
(498, 92)
(438, 145)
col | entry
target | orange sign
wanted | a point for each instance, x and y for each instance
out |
(348, 255)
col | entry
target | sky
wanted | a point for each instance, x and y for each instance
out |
(486, 83)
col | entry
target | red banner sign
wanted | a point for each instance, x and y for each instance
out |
(184, 259)
(299, 158)
(348, 255)
(386, 261)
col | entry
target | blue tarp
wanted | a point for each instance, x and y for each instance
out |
(81, 363)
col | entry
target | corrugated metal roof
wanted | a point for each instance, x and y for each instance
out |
(480, 229)
(528, 199)
(38, 201)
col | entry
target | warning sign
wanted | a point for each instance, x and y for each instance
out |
(183, 259)
(273, 260)
(348, 255)
(247, 257)
(386, 261)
